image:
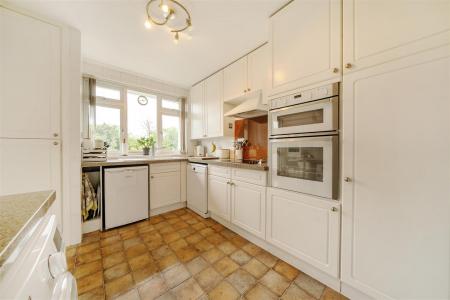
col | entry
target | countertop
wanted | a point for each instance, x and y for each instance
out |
(135, 160)
(19, 213)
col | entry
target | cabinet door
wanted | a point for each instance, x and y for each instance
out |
(396, 208)
(248, 207)
(30, 165)
(30, 64)
(235, 79)
(214, 105)
(380, 31)
(306, 227)
(165, 189)
(197, 111)
(219, 196)
(259, 70)
(305, 44)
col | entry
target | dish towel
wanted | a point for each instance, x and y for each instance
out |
(89, 203)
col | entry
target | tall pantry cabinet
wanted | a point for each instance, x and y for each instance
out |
(39, 108)
(396, 145)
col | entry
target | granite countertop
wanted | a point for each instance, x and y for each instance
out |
(132, 160)
(229, 163)
(19, 213)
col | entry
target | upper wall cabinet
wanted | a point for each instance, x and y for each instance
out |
(30, 94)
(197, 111)
(305, 41)
(380, 31)
(248, 74)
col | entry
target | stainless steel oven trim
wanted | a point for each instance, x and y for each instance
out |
(334, 115)
(334, 158)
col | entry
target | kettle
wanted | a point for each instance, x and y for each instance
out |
(199, 150)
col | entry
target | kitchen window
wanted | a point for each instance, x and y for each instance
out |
(124, 114)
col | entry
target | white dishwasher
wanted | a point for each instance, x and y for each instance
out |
(126, 195)
(197, 188)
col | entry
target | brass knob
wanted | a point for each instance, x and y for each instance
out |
(55, 143)
(348, 65)
(347, 179)
(55, 134)
(334, 209)
(335, 70)
(245, 91)
(152, 177)
(248, 90)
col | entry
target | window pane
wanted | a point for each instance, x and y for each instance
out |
(107, 126)
(171, 104)
(141, 118)
(107, 92)
(171, 132)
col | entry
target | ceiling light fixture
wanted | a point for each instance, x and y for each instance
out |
(168, 11)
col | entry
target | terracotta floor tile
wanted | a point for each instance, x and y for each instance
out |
(161, 225)
(161, 252)
(267, 259)
(197, 265)
(140, 261)
(130, 295)
(171, 237)
(88, 268)
(224, 291)
(275, 282)
(90, 282)
(187, 253)
(136, 250)
(226, 266)
(186, 232)
(296, 293)
(260, 292)
(166, 230)
(167, 296)
(309, 284)
(241, 280)
(238, 241)
(228, 234)
(110, 240)
(240, 257)
(86, 248)
(113, 259)
(152, 245)
(251, 249)
(207, 231)
(71, 251)
(190, 221)
(132, 242)
(108, 233)
(213, 255)
(112, 248)
(156, 219)
(167, 261)
(88, 257)
(95, 294)
(218, 227)
(330, 294)
(227, 247)
(151, 236)
(145, 273)
(188, 290)
(208, 278)
(286, 270)
(178, 244)
(256, 268)
(180, 225)
(119, 285)
(153, 288)
(203, 245)
(194, 238)
(116, 271)
(215, 239)
(198, 226)
(146, 229)
(176, 275)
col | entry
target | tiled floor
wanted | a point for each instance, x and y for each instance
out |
(179, 255)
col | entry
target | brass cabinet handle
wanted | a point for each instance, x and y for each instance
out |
(248, 90)
(348, 66)
(347, 179)
(55, 134)
(335, 70)
(334, 209)
(55, 143)
(151, 177)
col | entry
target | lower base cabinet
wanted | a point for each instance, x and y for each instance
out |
(248, 203)
(305, 226)
(218, 196)
(165, 189)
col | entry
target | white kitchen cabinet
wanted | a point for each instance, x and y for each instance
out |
(248, 203)
(375, 32)
(30, 165)
(165, 189)
(396, 208)
(197, 111)
(258, 70)
(305, 226)
(235, 79)
(305, 42)
(30, 96)
(219, 202)
(214, 104)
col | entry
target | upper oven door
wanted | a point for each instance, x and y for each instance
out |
(316, 116)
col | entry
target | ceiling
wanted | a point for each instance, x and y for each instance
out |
(113, 33)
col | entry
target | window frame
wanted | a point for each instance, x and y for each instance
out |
(122, 105)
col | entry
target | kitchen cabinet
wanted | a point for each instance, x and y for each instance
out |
(248, 202)
(305, 226)
(396, 212)
(197, 111)
(219, 196)
(305, 44)
(248, 74)
(165, 184)
(375, 32)
(30, 96)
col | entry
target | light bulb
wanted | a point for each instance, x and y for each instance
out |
(147, 24)
(172, 16)
(190, 28)
(164, 8)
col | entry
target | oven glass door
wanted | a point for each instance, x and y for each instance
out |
(307, 165)
(307, 117)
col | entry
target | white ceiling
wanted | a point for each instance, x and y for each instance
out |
(113, 34)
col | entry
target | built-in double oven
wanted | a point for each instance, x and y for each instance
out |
(304, 141)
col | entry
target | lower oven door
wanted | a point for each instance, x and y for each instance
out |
(306, 164)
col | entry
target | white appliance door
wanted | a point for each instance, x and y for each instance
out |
(197, 192)
(126, 195)
(314, 116)
(305, 164)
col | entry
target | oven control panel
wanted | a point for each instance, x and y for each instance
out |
(305, 96)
